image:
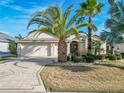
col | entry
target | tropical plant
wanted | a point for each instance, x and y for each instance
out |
(53, 22)
(96, 46)
(111, 37)
(115, 24)
(19, 37)
(90, 8)
(116, 20)
(111, 2)
(13, 48)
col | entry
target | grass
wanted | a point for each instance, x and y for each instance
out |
(101, 77)
(1, 58)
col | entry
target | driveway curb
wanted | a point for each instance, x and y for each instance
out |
(41, 80)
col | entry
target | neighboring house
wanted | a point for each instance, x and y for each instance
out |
(4, 44)
(103, 46)
(45, 45)
(119, 48)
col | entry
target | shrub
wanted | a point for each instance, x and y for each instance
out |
(107, 55)
(72, 58)
(68, 58)
(1, 58)
(13, 48)
(94, 56)
(90, 58)
(77, 58)
(112, 57)
(101, 57)
(122, 55)
(84, 59)
(119, 56)
(83, 56)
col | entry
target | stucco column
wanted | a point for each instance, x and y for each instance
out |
(68, 48)
(86, 45)
(18, 50)
(79, 48)
(52, 49)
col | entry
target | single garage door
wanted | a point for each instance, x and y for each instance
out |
(36, 50)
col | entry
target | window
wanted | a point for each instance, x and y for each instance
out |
(117, 47)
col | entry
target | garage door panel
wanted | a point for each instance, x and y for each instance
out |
(36, 50)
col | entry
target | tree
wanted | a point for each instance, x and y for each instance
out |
(13, 48)
(19, 37)
(115, 24)
(53, 22)
(96, 46)
(111, 38)
(90, 8)
(111, 2)
(116, 20)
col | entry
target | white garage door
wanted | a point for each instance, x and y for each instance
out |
(36, 50)
(4, 47)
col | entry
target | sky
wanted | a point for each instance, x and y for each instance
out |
(15, 14)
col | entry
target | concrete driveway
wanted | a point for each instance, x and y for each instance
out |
(22, 75)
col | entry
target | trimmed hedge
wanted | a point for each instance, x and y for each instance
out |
(119, 56)
(112, 57)
(90, 58)
(122, 55)
(101, 57)
(68, 58)
(78, 58)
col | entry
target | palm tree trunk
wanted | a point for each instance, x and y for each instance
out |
(62, 51)
(89, 38)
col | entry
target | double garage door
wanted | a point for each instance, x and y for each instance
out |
(38, 50)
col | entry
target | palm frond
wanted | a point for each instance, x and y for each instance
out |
(81, 25)
(37, 32)
(75, 32)
(53, 22)
(71, 21)
(58, 11)
(98, 7)
(39, 22)
(111, 2)
(67, 13)
(81, 31)
(72, 31)
(92, 2)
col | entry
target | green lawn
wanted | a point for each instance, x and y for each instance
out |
(1, 58)
(100, 77)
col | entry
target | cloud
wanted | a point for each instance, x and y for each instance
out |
(34, 9)
(10, 4)
(6, 2)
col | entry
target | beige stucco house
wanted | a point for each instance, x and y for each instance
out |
(45, 45)
(119, 48)
(5, 41)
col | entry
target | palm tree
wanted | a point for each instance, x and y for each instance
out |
(53, 22)
(90, 8)
(96, 46)
(116, 20)
(111, 37)
(111, 2)
(115, 25)
(19, 37)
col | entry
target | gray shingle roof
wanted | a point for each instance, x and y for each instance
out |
(6, 38)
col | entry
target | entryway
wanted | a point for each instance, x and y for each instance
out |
(74, 48)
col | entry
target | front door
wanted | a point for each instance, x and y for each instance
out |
(74, 48)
